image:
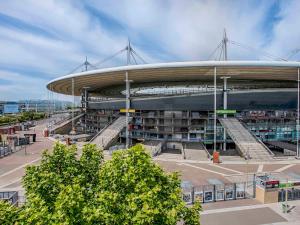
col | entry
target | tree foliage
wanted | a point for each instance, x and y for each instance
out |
(21, 117)
(8, 213)
(134, 190)
(129, 189)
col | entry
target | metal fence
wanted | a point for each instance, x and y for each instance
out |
(292, 194)
(8, 149)
(9, 196)
(5, 150)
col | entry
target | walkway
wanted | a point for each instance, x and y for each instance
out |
(105, 137)
(244, 140)
(12, 167)
(196, 151)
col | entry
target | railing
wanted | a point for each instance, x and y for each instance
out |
(9, 196)
(5, 150)
(157, 150)
(256, 138)
(107, 125)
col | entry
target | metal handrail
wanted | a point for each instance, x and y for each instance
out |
(260, 141)
(107, 125)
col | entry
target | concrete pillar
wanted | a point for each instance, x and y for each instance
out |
(225, 90)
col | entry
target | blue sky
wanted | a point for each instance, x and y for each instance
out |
(42, 40)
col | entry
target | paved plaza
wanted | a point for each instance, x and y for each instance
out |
(12, 167)
(245, 211)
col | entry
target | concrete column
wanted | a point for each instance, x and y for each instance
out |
(127, 81)
(215, 108)
(225, 90)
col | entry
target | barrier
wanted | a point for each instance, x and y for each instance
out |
(214, 192)
(9, 196)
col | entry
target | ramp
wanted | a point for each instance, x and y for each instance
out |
(245, 141)
(153, 147)
(106, 136)
(62, 126)
(196, 151)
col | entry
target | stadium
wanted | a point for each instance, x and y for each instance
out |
(221, 105)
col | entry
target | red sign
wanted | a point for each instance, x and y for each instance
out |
(272, 184)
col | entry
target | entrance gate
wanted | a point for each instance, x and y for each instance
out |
(293, 194)
(214, 192)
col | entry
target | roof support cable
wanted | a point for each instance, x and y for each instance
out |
(109, 58)
(137, 55)
(214, 51)
(133, 58)
(268, 55)
(293, 53)
(76, 68)
(221, 53)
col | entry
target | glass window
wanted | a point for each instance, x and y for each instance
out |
(208, 196)
(219, 195)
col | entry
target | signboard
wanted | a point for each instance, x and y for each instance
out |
(288, 185)
(198, 196)
(272, 184)
(11, 108)
(129, 110)
(226, 111)
(187, 197)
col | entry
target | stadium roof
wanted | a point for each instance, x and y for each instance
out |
(176, 71)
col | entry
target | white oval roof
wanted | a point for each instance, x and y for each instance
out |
(176, 71)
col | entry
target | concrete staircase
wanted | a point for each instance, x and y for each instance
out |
(153, 147)
(245, 141)
(196, 151)
(64, 126)
(106, 136)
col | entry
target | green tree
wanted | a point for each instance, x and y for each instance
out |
(134, 190)
(8, 213)
(59, 187)
(129, 189)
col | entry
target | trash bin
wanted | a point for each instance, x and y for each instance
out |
(216, 157)
(46, 132)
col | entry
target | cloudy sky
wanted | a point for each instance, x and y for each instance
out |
(42, 40)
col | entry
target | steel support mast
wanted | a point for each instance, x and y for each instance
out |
(73, 108)
(127, 81)
(215, 108)
(225, 90)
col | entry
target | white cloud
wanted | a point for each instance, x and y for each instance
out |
(21, 85)
(191, 29)
(160, 31)
(286, 33)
